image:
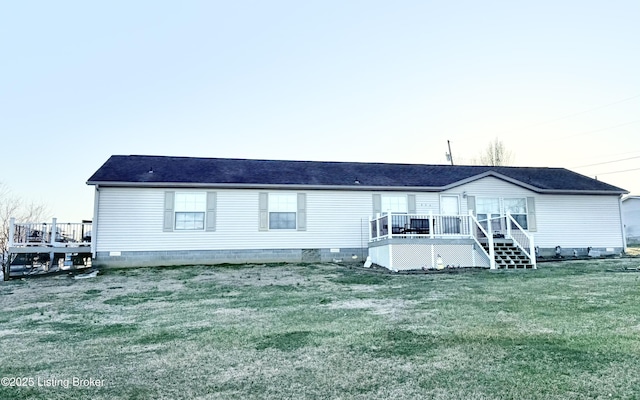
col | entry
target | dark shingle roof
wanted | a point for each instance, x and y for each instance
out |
(135, 170)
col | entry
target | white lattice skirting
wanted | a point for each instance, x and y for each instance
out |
(409, 254)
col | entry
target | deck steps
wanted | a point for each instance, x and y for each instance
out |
(508, 255)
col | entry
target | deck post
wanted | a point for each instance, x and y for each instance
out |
(431, 224)
(52, 241)
(532, 253)
(508, 222)
(6, 267)
(52, 238)
(433, 256)
(12, 231)
(492, 251)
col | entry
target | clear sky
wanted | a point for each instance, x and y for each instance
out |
(388, 81)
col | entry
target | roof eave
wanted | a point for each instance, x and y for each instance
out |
(262, 186)
(531, 187)
(595, 192)
(341, 187)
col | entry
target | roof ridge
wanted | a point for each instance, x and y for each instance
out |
(187, 170)
(333, 161)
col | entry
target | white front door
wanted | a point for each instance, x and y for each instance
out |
(449, 205)
(450, 209)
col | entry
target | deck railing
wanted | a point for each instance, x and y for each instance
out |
(480, 235)
(505, 226)
(390, 225)
(486, 231)
(56, 234)
(521, 238)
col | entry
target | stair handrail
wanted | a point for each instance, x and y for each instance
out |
(531, 252)
(492, 256)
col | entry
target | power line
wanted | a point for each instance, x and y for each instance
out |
(605, 156)
(585, 111)
(617, 172)
(602, 129)
(572, 115)
(607, 162)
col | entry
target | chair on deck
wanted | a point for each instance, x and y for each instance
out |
(419, 225)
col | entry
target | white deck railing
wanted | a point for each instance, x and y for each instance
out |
(521, 238)
(480, 235)
(389, 225)
(55, 234)
(400, 225)
(507, 227)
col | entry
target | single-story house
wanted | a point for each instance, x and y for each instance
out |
(631, 218)
(158, 210)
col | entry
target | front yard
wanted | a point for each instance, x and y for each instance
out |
(568, 330)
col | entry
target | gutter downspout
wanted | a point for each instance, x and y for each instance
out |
(94, 224)
(622, 225)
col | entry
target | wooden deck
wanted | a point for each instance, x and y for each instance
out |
(46, 248)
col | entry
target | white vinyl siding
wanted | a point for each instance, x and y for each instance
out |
(560, 220)
(578, 221)
(631, 215)
(131, 220)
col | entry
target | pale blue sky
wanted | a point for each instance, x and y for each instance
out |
(556, 81)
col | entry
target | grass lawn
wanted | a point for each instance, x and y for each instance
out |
(564, 331)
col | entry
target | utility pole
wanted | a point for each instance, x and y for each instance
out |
(449, 155)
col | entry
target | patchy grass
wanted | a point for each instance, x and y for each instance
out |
(568, 330)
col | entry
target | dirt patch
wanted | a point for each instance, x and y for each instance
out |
(253, 276)
(633, 251)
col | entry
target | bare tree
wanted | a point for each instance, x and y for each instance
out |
(495, 154)
(13, 206)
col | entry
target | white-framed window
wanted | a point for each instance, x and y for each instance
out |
(283, 209)
(189, 211)
(492, 207)
(518, 209)
(487, 207)
(394, 203)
